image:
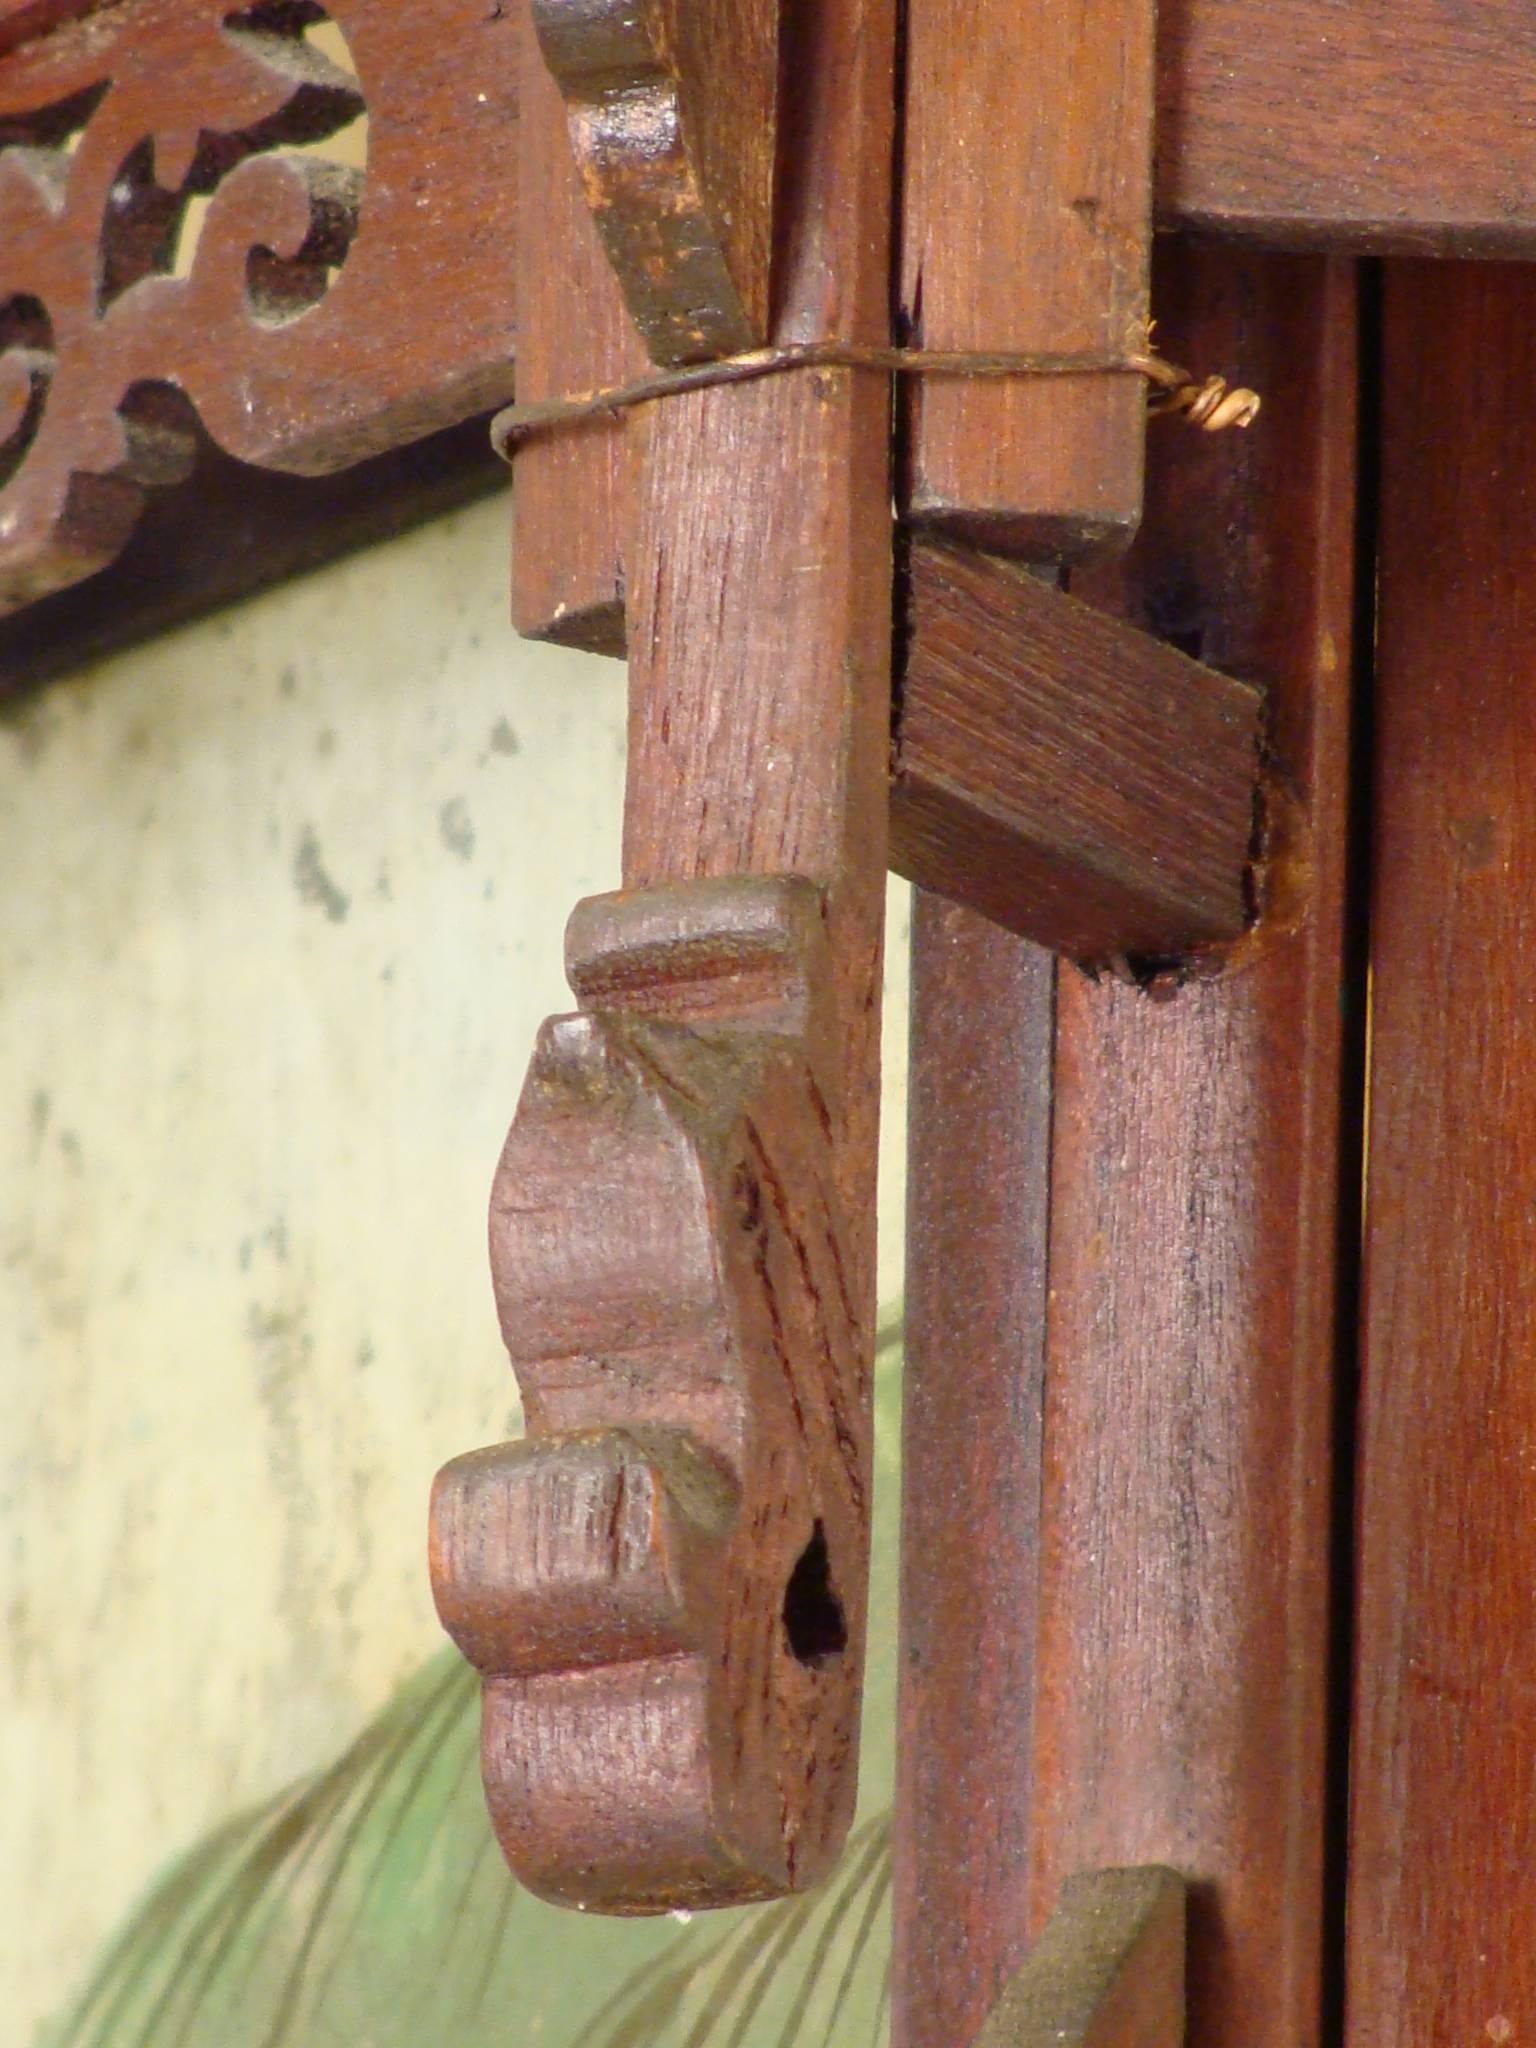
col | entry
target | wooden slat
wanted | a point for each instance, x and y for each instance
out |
(1443, 1843)
(1180, 1711)
(760, 644)
(978, 1183)
(1347, 123)
(1027, 221)
(1108, 1972)
(573, 334)
(1065, 774)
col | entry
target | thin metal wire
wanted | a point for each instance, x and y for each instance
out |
(1210, 403)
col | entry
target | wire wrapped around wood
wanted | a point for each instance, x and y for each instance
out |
(1210, 403)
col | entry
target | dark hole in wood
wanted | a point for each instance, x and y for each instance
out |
(814, 1620)
(1191, 641)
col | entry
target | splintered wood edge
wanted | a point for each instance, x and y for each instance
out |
(1108, 1971)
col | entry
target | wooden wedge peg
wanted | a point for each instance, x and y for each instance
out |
(1107, 1971)
(1067, 775)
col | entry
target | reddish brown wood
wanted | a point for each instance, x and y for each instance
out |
(657, 1582)
(1108, 1972)
(22, 20)
(1443, 1766)
(573, 334)
(1027, 224)
(1185, 1512)
(1349, 124)
(306, 359)
(1065, 774)
(682, 1226)
(760, 656)
(978, 1184)
(673, 111)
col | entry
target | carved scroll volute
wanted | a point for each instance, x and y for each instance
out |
(663, 1583)
(194, 218)
(672, 109)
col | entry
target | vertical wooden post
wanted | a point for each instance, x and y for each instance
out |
(1027, 224)
(978, 1184)
(760, 646)
(1442, 1908)
(1181, 1698)
(573, 334)
(664, 1584)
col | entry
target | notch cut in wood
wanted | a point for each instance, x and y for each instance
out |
(1073, 779)
(1107, 1972)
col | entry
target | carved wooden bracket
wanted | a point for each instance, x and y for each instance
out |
(305, 236)
(672, 107)
(663, 1583)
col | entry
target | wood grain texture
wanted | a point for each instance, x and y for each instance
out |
(760, 646)
(1185, 1515)
(1108, 1971)
(1443, 1769)
(573, 334)
(307, 326)
(660, 1582)
(682, 1228)
(673, 110)
(978, 1184)
(1027, 224)
(1065, 774)
(1343, 124)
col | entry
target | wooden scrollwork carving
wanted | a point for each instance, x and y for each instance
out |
(663, 1583)
(296, 219)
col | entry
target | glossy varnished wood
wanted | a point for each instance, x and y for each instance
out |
(1443, 1841)
(673, 110)
(303, 314)
(1027, 225)
(1180, 1711)
(1068, 775)
(760, 646)
(978, 1184)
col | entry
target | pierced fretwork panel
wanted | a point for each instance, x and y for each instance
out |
(296, 219)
